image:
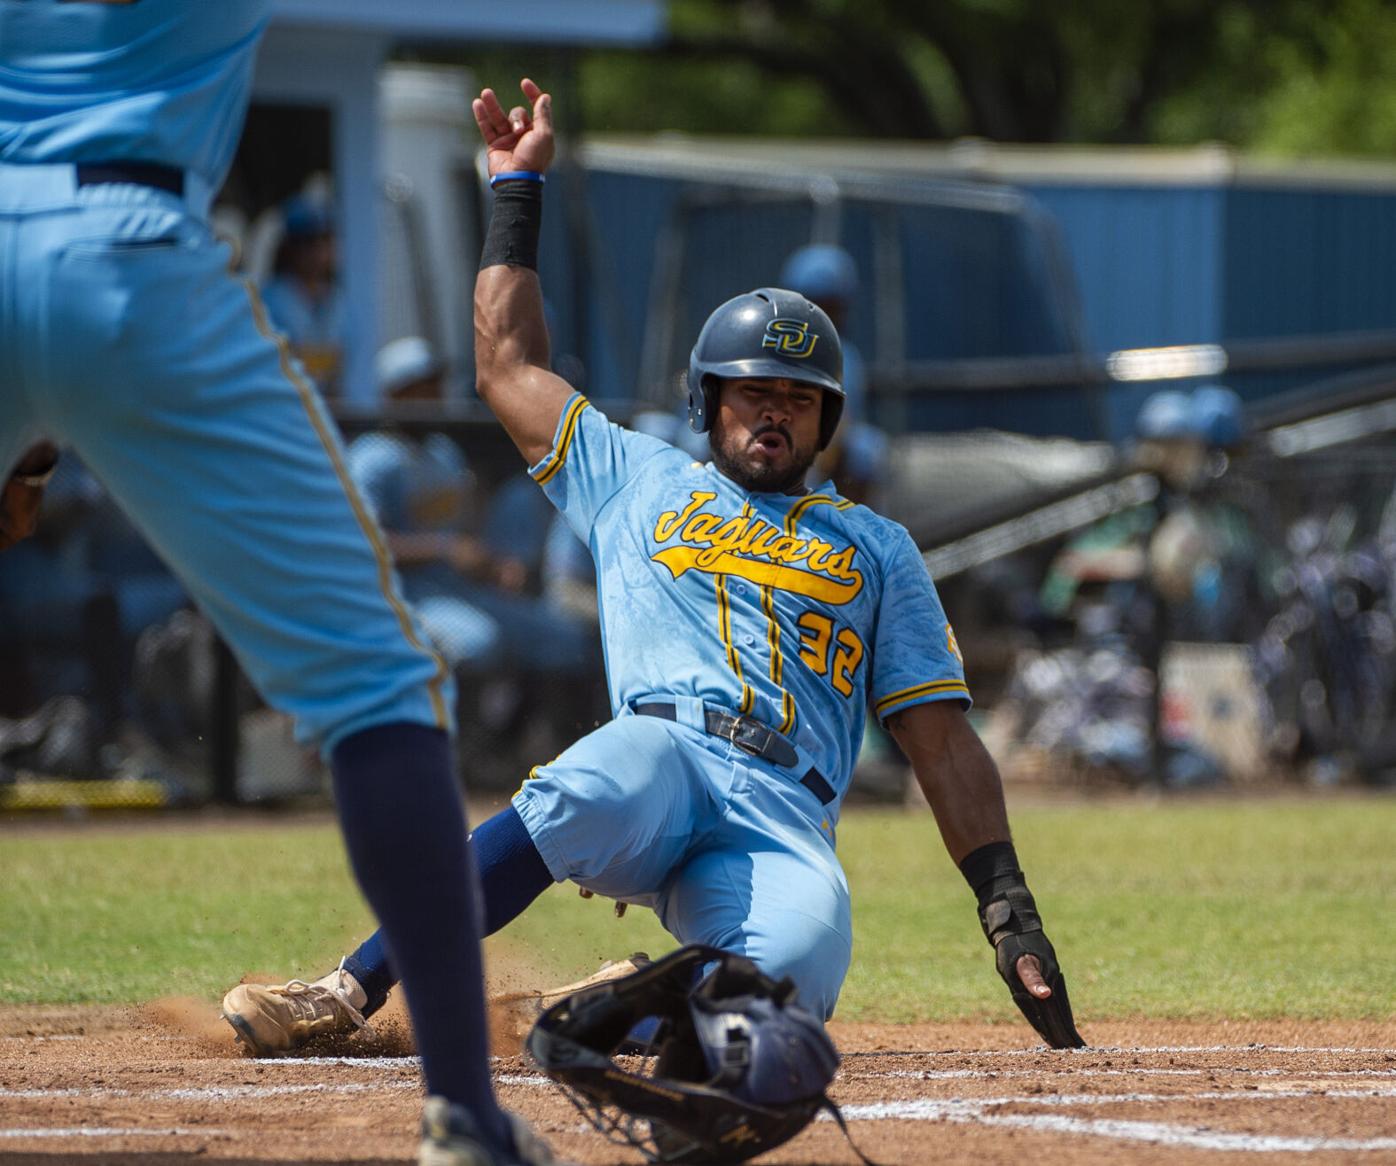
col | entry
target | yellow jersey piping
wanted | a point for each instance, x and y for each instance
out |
(550, 468)
(366, 521)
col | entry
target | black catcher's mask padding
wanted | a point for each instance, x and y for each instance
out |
(769, 332)
(735, 1067)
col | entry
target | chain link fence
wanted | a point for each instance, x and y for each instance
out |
(1241, 632)
(1265, 600)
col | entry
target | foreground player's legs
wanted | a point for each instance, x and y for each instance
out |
(241, 486)
(396, 796)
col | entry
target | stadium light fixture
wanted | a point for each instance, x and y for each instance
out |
(1171, 363)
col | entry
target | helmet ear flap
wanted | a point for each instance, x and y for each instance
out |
(831, 410)
(703, 391)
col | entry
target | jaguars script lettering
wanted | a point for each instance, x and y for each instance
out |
(751, 548)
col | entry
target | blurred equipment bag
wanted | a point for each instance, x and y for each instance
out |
(733, 1068)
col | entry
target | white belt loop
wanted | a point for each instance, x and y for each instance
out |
(689, 710)
(36, 187)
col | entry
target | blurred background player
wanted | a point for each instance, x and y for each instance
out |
(117, 124)
(468, 566)
(424, 496)
(76, 596)
(303, 296)
(749, 624)
(856, 457)
(1184, 566)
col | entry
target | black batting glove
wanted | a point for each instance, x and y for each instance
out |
(1009, 917)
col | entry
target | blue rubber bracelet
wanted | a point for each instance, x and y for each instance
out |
(524, 175)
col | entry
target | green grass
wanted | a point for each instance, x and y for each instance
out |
(1204, 909)
(1207, 909)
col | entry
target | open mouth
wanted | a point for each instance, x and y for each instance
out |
(772, 442)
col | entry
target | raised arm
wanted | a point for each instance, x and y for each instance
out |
(513, 372)
(962, 785)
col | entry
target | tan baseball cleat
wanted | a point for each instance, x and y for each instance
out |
(610, 970)
(545, 999)
(271, 1019)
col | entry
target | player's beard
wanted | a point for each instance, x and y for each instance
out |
(733, 459)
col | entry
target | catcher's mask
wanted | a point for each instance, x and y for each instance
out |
(768, 332)
(734, 1068)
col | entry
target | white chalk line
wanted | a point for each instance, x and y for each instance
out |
(241, 1092)
(1193, 1137)
(975, 1111)
(108, 1132)
(957, 1110)
(931, 1109)
(1140, 1071)
(210, 1092)
(352, 1062)
(144, 1038)
(1142, 1050)
(1067, 1100)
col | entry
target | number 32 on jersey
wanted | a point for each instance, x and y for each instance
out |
(835, 654)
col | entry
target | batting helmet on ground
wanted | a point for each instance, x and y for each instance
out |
(736, 1067)
(769, 332)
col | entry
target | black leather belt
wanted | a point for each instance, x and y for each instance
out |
(137, 173)
(750, 736)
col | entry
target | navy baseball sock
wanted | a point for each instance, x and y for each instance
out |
(512, 872)
(369, 965)
(404, 828)
(512, 875)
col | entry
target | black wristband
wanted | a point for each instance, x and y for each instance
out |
(512, 238)
(985, 868)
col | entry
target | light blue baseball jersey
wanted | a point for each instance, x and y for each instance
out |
(124, 333)
(157, 81)
(801, 611)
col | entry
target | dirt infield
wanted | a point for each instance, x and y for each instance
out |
(165, 1084)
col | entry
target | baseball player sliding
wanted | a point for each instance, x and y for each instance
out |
(124, 334)
(748, 623)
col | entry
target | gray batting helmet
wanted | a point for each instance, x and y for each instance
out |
(769, 332)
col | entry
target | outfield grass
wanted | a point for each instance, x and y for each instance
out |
(1203, 909)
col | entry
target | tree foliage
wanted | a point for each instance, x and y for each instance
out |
(1280, 75)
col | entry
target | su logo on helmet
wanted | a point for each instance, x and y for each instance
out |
(789, 337)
